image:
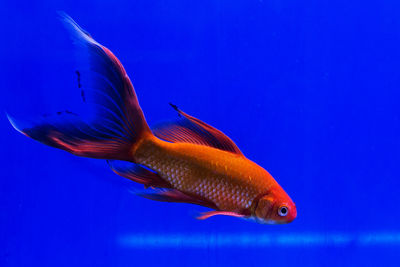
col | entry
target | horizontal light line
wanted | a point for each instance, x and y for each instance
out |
(151, 241)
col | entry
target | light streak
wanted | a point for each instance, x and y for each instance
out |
(243, 240)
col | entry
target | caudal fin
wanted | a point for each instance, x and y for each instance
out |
(118, 122)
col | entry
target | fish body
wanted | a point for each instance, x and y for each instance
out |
(229, 180)
(187, 160)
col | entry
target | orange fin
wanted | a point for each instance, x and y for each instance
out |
(173, 195)
(138, 174)
(188, 129)
(209, 214)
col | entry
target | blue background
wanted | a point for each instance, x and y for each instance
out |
(307, 89)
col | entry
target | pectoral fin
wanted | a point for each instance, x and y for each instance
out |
(206, 215)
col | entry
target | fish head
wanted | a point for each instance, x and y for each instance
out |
(275, 207)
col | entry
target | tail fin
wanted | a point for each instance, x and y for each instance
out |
(118, 122)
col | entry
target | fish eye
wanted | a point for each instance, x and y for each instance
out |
(283, 211)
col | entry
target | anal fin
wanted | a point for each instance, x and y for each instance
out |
(138, 174)
(173, 195)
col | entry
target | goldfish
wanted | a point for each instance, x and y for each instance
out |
(184, 160)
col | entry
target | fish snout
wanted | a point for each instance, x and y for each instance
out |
(292, 214)
(272, 211)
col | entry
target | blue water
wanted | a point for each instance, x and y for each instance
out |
(308, 90)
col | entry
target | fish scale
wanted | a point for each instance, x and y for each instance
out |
(204, 171)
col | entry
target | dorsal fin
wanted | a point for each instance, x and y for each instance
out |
(187, 129)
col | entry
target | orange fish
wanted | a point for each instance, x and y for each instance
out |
(187, 160)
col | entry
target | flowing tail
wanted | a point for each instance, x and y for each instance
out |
(118, 123)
